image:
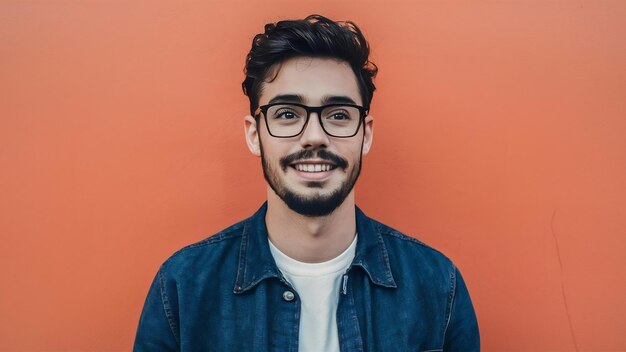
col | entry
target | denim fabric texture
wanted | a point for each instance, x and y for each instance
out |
(225, 293)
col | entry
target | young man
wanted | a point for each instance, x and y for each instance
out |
(309, 271)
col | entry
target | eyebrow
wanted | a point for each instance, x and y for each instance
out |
(287, 98)
(337, 99)
(300, 99)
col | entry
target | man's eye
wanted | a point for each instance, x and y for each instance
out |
(286, 115)
(338, 116)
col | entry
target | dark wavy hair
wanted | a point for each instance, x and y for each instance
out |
(315, 36)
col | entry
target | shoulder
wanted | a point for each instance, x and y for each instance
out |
(203, 254)
(409, 250)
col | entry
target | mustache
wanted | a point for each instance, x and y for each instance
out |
(310, 154)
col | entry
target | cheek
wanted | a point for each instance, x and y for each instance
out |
(273, 150)
(352, 152)
(268, 144)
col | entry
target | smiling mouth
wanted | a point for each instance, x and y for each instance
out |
(313, 167)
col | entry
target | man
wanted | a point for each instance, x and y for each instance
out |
(309, 271)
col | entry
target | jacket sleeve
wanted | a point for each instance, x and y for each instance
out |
(158, 329)
(462, 331)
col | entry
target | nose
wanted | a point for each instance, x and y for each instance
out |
(313, 136)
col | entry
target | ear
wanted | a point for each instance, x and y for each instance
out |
(368, 134)
(252, 135)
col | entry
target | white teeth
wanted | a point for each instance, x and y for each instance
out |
(313, 167)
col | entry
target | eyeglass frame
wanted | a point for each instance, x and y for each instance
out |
(363, 111)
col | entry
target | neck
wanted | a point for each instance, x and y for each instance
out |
(310, 239)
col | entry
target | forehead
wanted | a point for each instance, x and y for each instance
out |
(314, 79)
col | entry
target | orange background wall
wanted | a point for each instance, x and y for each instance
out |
(500, 140)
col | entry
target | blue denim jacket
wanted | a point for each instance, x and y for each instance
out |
(225, 293)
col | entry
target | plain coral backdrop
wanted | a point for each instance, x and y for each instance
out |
(499, 139)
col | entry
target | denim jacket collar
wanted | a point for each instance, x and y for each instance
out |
(256, 262)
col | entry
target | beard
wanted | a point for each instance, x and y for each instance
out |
(316, 204)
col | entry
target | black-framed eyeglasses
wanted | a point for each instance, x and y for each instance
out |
(285, 120)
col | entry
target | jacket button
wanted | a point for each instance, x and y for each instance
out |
(288, 296)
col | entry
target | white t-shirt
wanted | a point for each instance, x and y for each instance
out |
(318, 286)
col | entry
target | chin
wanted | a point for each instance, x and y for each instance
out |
(313, 204)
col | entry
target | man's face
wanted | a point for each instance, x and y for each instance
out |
(312, 173)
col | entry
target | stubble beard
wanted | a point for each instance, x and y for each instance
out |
(309, 205)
